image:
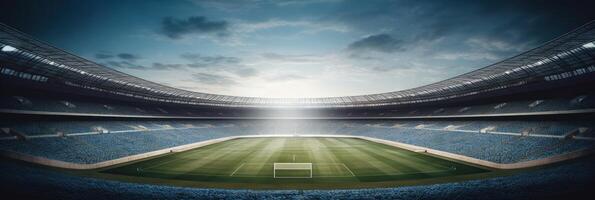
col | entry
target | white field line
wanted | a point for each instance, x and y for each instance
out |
(246, 176)
(332, 176)
(398, 174)
(419, 172)
(257, 176)
(278, 177)
(197, 174)
(234, 171)
(348, 169)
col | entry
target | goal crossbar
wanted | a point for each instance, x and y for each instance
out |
(292, 166)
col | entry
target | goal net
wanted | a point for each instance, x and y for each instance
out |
(292, 170)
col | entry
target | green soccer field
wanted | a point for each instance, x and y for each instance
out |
(251, 161)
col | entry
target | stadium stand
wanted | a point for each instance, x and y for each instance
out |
(59, 105)
(82, 142)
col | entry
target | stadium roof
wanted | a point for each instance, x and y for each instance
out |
(565, 53)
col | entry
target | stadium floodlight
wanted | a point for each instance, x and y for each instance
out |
(589, 45)
(8, 48)
(292, 170)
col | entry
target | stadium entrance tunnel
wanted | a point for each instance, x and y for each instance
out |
(295, 162)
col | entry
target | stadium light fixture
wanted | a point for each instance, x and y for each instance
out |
(8, 48)
(589, 45)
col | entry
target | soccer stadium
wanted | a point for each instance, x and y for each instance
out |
(74, 126)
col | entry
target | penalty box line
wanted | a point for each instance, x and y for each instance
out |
(352, 174)
(234, 171)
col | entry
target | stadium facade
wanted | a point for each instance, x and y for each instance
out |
(514, 119)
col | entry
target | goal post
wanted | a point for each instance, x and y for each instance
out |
(292, 170)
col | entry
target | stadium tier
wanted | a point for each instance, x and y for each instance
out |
(65, 105)
(503, 130)
(97, 141)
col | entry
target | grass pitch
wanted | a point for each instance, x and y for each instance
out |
(342, 161)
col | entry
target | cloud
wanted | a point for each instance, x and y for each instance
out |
(154, 66)
(219, 63)
(237, 5)
(246, 72)
(228, 5)
(213, 79)
(121, 60)
(492, 44)
(193, 60)
(381, 42)
(103, 56)
(530, 21)
(190, 87)
(309, 26)
(303, 2)
(286, 77)
(128, 56)
(287, 58)
(200, 61)
(467, 56)
(177, 28)
(125, 65)
(161, 66)
(122, 56)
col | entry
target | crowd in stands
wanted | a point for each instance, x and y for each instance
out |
(96, 141)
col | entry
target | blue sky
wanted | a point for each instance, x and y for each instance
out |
(295, 48)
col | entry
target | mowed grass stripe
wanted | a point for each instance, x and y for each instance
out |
(257, 152)
(210, 161)
(360, 163)
(269, 156)
(425, 161)
(409, 159)
(398, 162)
(155, 163)
(403, 162)
(227, 160)
(215, 159)
(326, 163)
(372, 164)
